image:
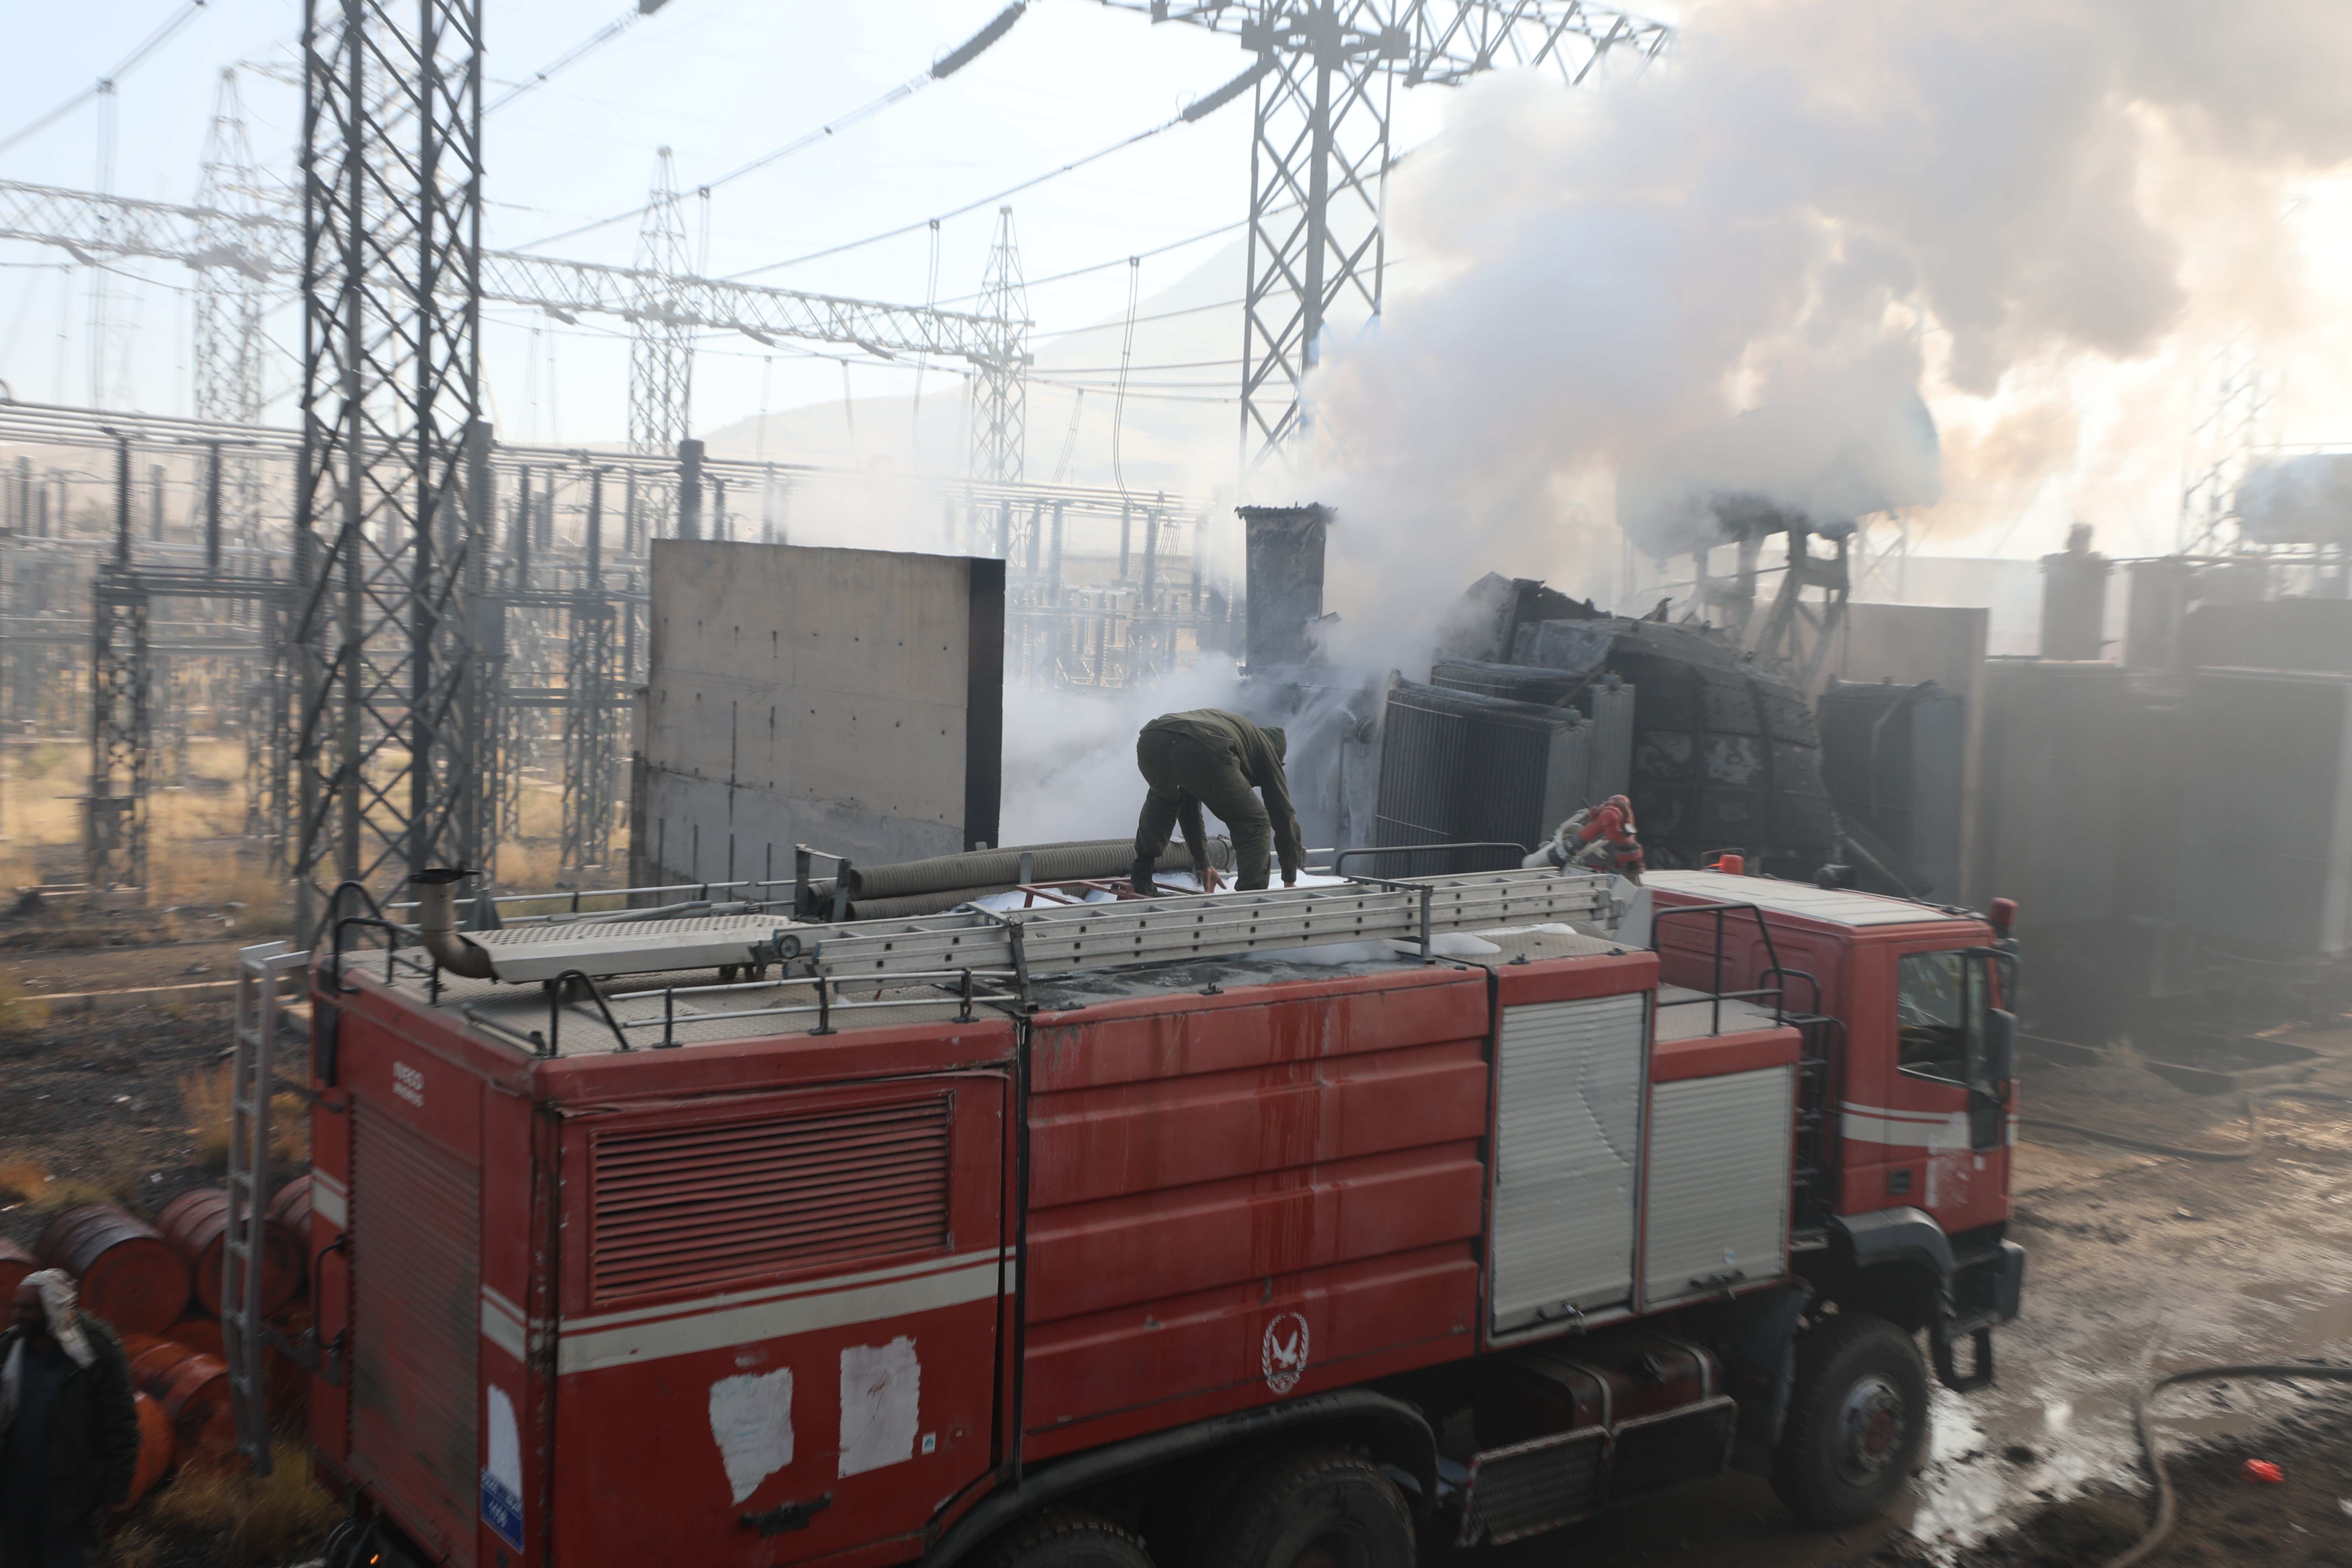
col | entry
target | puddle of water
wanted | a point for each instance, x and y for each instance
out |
(2067, 1382)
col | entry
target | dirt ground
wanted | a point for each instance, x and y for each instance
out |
(94, 1103)
(2138, 1264)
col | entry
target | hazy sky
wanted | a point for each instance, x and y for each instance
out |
(720, 81)
(2068, 209)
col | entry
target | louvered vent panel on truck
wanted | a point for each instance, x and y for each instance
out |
(1567, 1141)
(416, 1319)
(692, 1209)
(1719, 1203)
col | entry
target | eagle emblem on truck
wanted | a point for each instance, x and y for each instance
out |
(1282, 1354)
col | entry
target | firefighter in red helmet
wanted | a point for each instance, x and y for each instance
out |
(1598, 838)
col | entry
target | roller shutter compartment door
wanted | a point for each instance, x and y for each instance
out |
(1719, 1169)
(1568, 1136)
(415, 1325)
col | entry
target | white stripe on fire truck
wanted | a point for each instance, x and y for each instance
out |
(326, 1200)
(1904, 1128)
(824, 1306)
(777, 1292)
(502, 1325)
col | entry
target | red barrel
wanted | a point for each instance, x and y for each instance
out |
(196, 1223)
(15, 1264)
(198, 1334)
(158, 1447)
(193, 1389)
(129, 1275)
(291, 1210)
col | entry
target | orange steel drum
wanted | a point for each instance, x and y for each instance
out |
(198, 1334)
(129, 1275)
(196, 1223)
(158, 1445)
(193, 1389)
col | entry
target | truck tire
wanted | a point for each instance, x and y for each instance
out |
(1063, 1539)
(1322, 1509)
(1857, 1416)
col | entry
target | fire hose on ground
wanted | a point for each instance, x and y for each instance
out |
(2160, 1527)
(2165, 1504)
(2209, 1156)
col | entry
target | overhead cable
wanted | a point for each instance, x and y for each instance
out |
(944, 67)
(602, 35)
(106, 83)
(1191, 113)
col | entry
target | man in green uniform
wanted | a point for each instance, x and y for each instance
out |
(1220, 759)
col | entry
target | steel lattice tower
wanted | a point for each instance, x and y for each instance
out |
(232, 268)
(391, 404)
(1319, 151)
(661, 358)
(2220, 450)
(1001, 369)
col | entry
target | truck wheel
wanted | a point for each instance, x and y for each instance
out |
(1324, 1508)
(1065, 1539)
(1857, 1415)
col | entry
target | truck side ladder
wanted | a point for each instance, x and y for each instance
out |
(252, 1080)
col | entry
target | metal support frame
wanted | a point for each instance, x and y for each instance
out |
(1319, 151)
(1318, 175)
(661, 354)
(1001, 389)
(1796, 632)
(114, 823)
(232, 271)
(590, 754)
(2220, 448)
(391, 388)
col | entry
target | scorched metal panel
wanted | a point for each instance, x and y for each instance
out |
(1568, 1135)
(2277, 746)
(1718, 1184)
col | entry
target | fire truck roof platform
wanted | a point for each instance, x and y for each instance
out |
(1833, 906)
(688, 1008)
(1494, 920)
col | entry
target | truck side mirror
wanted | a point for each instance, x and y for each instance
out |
(2001, 1045)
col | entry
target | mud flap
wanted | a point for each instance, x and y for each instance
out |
(1760, 1366)
(1948, 1372)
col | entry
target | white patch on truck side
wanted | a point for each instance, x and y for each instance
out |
(751, 1418)
(502, 1477)
(881, 1388)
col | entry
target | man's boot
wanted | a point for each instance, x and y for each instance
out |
(1139, 877)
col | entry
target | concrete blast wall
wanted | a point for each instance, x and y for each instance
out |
(848, 699)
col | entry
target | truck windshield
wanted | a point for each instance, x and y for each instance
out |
(1940, 1029)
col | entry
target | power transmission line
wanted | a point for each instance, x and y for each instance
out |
(946, 65)
(1192, 112)
(105, 84)
(595, 40)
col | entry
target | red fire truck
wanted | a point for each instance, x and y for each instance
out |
(1251, 1230)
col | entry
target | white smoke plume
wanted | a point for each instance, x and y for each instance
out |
(1977, 201)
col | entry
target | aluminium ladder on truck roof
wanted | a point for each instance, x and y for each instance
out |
(1024, 943)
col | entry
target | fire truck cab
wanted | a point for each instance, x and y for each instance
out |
(1230, 1261)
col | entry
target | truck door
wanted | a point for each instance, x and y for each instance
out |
(1943, 1123)
(780, 1319)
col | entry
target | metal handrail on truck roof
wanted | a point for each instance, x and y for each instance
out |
(989, 957)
